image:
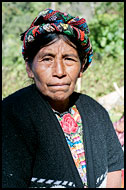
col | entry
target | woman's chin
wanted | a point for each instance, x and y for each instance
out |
(59, 96)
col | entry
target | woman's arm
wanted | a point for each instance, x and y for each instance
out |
(115, 156)
(114, 179)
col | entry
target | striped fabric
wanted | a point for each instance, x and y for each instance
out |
(68, 123)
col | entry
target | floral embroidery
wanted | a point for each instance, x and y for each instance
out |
(68, 124)
(30, 38)
(48, 28)
(65, 26)
(71, 124)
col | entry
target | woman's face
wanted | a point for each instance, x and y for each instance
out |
(55, 70)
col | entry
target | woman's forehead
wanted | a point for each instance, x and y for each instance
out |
(59, 46)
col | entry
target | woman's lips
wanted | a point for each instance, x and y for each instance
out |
(59, 85)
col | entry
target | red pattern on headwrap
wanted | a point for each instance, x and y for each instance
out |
(55, 21)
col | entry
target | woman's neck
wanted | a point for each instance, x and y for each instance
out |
(60, 106)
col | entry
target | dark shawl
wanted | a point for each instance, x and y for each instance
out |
(35, 151)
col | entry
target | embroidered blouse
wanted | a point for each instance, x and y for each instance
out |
(71, 124)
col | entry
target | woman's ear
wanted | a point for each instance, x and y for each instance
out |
(81, 71)
(29, 71)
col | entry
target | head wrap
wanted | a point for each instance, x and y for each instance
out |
(49, 21)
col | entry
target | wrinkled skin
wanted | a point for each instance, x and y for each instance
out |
(55, 70)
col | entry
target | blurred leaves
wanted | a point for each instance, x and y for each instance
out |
(107, 35)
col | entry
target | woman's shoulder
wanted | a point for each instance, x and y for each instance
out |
(19, 93)
(19, 97)
(89, 102)
(86, 99)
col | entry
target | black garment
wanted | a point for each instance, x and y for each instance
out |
(35, 151)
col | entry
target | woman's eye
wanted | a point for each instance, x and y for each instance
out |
(68, 58)
(47, 59)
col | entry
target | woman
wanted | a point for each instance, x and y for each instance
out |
(53, 136)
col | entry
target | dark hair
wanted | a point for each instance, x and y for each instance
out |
(48, 39)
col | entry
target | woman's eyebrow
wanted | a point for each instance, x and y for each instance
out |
(42, 54)
(70, 55)
(46, 54)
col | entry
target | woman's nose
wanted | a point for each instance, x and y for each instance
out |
(59, 68)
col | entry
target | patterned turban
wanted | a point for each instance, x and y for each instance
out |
(49, 21)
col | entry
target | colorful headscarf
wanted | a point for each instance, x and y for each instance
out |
(49, 21)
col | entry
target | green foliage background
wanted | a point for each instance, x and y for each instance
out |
(106, 34)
